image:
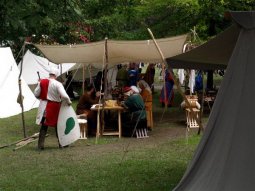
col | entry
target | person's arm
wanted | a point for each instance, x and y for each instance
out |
(37, 90)
(63, 94)
(198, 105)
(93, 100)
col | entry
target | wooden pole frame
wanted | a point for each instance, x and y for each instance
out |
(177, 83)
(20, 92)
(83, 78)
(101, 101)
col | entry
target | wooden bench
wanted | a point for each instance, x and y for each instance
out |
(191, 118)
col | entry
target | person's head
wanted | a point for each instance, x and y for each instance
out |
(135, 89)
(144, 85)
(127, 91)
(125, 65)
(53, 73)
(119, 66)
(141, 84)
(90, 88)
(132, 65)
(69, 74)
(152, 65)
(99, 74)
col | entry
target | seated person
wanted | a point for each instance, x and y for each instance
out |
(136, 112)
(83, 107)
(135, 89)
(146, 94)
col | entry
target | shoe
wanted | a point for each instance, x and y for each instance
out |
(61, 147)
(40, 148)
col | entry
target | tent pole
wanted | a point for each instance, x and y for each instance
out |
(164, 84)
(202, 102)
(83, 79)
(105, 82)
(176, 81)
(20, 97)
(61, 73)
(105, 69)
(203, 94)
(61, 69)
(105, 65)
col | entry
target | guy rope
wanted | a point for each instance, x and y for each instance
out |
(177, 83)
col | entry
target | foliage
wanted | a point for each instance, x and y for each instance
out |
(212, 14)
(82, 21)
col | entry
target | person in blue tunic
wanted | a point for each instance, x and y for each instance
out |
(132, 75)
(168, 99)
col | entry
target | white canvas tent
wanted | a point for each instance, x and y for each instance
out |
(9, 87)
(224, 159)
(33, 64)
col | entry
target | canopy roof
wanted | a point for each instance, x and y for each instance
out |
(214, 54)
(118, 51)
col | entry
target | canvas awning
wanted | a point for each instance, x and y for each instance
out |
(118, 51)
(214, 54)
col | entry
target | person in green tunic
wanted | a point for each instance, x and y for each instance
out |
(136, 112)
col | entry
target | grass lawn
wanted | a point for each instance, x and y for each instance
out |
(155, 163)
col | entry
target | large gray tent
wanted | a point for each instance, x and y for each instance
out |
(214, 54)
(225, 157)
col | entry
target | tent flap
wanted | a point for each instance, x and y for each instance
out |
(9, 88)
(214, 54)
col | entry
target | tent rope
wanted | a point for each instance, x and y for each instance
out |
(73, 76)
(177, 83)
(132, 135)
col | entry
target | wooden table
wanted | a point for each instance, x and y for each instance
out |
(100, 126)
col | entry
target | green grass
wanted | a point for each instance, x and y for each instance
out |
(155, 163)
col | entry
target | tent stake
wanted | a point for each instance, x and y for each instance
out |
(176, 82)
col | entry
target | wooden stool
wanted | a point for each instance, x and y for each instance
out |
(83, 128)
(191, 119)
(141, 133)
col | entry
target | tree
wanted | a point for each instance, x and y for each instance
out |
(82, 21)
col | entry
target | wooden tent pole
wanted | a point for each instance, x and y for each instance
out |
(20, 97)
(176, 82)
(202, 101)
(83, 79)
(105, 82)
(101, 101)
(61, 71)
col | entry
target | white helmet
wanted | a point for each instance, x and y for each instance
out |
(135, 89)
(54, 71)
